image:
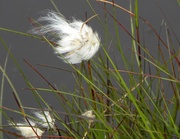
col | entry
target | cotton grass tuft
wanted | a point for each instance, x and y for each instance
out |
(45, 119)
(34, 129)
(76, 40)
(28, 130)
(89, 114)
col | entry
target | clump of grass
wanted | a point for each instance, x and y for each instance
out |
(109, 101)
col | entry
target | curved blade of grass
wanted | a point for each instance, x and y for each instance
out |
(2, 92)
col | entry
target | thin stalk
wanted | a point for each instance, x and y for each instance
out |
(176, 94)
(91, 88)
(1, 94)
(55, 6)
(133, 35)
(136, 15)
(107, 74)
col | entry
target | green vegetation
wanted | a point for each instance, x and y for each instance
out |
(132, 102)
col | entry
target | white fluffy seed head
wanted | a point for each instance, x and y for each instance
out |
(28, 130)
(76, 40)
(89, 114)
(45, 120)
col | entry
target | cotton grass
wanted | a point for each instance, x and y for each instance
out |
(34, 129)
(45, 119)
(76, 40)
(89, 114)
(28, 129)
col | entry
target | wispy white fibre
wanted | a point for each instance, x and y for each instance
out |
(28, 130)
(45, 119)
(89, 114)
(76, 40)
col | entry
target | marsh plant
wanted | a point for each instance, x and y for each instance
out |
(136, 97)
(76, 41)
